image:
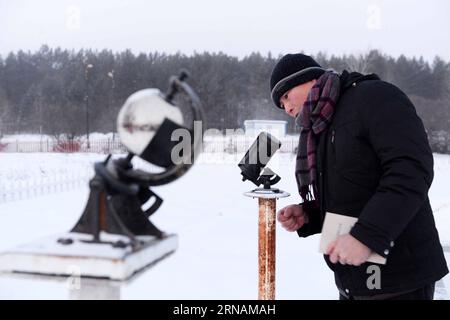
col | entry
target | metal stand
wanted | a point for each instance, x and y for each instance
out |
(114, 207)
(73, 286)
(114, 238)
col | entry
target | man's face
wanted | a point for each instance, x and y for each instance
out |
(292, 101)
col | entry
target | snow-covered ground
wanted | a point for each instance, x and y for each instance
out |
(216, 224)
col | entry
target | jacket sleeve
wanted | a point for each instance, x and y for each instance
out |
(314, 225)
(398, 137)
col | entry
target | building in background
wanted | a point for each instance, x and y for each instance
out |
(276, 128)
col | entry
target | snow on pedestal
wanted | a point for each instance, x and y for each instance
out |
(97, 260)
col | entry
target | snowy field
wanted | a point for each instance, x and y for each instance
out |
(45, 193)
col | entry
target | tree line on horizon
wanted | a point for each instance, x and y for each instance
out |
(57, 91)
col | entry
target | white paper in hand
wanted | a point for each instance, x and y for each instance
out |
(336, 225)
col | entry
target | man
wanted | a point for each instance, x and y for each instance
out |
(363, 152)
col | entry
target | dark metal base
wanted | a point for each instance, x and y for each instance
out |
(114, 211)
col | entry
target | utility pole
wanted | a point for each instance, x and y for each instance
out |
(111, 98)
(86, 98)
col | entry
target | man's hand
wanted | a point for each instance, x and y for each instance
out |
(292, 217)
(348, 250)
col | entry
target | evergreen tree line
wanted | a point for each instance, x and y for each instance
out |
(54, 91)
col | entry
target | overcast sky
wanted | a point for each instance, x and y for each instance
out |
(236, 27)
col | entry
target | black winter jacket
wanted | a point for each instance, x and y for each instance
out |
(374, 162)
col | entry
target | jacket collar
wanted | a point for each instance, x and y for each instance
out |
(349, 78)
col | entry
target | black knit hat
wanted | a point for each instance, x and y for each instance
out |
(291, 71)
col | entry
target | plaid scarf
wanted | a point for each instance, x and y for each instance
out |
(313, 119)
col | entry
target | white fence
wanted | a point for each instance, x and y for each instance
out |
(104, 146)
(16, 190)
(211, 144)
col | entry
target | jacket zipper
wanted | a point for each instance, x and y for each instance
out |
(322, 174)
(323, 164)
(333, 149)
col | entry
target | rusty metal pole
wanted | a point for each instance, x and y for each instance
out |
(266, 249)
(267, 203)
